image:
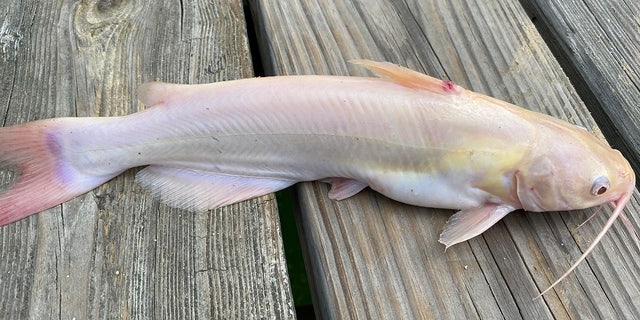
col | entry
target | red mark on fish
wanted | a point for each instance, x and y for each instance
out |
(450, 87)
(411, 137)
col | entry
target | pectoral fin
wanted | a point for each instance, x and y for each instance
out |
(469, 223)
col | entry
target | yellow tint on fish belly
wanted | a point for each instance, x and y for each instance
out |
(495, 178)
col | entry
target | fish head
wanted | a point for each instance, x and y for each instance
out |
(573, 171)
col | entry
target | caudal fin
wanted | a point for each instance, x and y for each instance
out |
(38, 176)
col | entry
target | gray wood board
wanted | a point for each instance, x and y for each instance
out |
(598, 44)
(370, 257)
(114, 253)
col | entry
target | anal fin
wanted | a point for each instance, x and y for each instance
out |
(469, 223)
(198, 190)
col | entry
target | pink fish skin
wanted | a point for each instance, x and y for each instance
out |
(411, 137)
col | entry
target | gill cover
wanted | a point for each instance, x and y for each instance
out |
(536, 187)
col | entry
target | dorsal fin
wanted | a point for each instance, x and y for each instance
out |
(409, 78)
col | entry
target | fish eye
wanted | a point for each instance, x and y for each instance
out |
(600, 186)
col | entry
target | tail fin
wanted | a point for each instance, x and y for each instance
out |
(41, 177)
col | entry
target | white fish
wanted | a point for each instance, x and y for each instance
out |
(413, 138)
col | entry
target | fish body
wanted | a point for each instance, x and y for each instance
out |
(411, 137)
(400, 145)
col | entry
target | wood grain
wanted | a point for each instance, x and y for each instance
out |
(114, 253)
(371, 257)
(598, 44)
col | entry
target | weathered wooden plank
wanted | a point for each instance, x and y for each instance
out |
(598, 43)
(114, 252)
(371, 257)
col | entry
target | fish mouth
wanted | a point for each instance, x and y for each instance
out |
(619, 205)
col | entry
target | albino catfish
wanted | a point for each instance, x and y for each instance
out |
(411, 137)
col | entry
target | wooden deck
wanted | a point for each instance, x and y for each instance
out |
(115, 253)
